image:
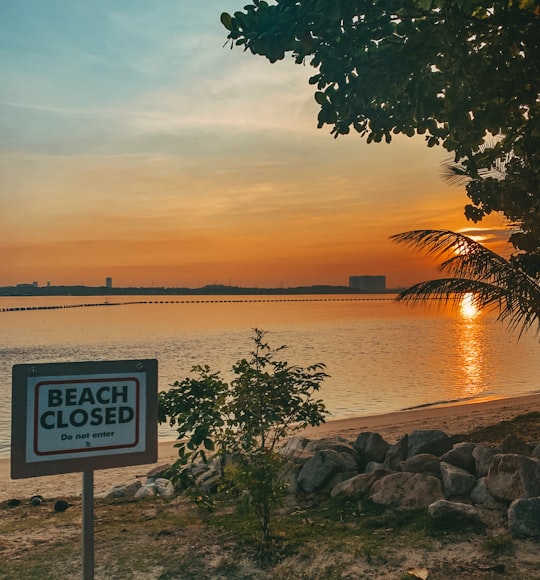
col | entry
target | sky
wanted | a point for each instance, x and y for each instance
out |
(136, 145)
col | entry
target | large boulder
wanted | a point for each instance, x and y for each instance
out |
(127, 490)
(318, 471)
(483, 456)
(371, 447)
(423, 463)
(293, 446)
(406, 490)
(433, 441)
(513, 476)
(524, 517)
(359, 485)
(338, 444)
(480, 495)
(450, 511)
(456, 482)
(397, 453)
(461, 455)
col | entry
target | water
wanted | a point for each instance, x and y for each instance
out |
(382, 356)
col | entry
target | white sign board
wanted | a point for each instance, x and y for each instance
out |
(81, 416)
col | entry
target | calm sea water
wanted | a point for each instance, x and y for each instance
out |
(382, 356)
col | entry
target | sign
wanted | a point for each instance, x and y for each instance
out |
(83, 416)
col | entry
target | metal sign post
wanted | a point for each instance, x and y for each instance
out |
(83, 416)
(88, 525)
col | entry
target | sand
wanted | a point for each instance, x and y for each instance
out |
(458, 418)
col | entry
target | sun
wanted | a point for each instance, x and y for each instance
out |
(468, 306)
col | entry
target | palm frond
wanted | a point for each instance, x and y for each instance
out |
(455, 174)
(436, 242)
(494, 282)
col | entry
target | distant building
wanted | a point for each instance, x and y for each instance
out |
(35, 284)
(108, 282)
(368, 283)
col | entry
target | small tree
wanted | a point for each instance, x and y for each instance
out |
(266, 402)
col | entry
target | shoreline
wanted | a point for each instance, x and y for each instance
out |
(454, 418)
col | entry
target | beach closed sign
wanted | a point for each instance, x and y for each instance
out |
(83, 416)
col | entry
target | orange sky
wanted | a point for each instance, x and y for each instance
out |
(135, 146)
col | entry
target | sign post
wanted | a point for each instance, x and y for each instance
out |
(83, 416)
(88, 525)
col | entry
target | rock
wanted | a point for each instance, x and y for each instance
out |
(456, 482)
(164, 487)
(423, 463)
(128, 490)
(339, 478)
(210, 485)
(158, 471)
(431, 441)
(461, 455)
(371, 447)
(524, 517)
(198, 469)
(300, 458)
(359, 485)
(397, 453)
(320, 469)
(374, 466)
(536, 451)
(483, 456)
(513, 476)
(480, 495)
(209, 473)
(60, 505)
(145, 491)
(293, 446)
(338, 444)
(513, 444)
(406, 490)
(454, 512)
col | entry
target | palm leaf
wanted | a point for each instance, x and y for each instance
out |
(494, 282)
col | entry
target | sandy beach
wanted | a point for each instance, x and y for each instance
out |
(458, 418)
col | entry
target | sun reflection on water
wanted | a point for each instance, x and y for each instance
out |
(470, 348)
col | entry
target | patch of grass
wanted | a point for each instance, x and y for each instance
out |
(499, 545)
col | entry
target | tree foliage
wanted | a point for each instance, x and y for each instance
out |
(245, 420)
(472, 269)
(455, 71)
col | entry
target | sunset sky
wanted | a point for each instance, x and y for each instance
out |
(135, 145)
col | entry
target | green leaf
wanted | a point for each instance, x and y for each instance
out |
(321, 98)
(226, 20)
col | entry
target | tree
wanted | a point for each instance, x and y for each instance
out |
(492, 281)
(455, 71)
(266, 402)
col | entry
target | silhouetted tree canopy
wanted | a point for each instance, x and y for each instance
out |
(463, 73)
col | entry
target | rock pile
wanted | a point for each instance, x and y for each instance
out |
(425, 470)
(461, 482)
(154, 485)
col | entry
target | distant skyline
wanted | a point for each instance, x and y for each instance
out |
(136, 146)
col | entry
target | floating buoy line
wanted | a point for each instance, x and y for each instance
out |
(191, 301)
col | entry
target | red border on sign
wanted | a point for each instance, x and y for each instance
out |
(86, 449)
